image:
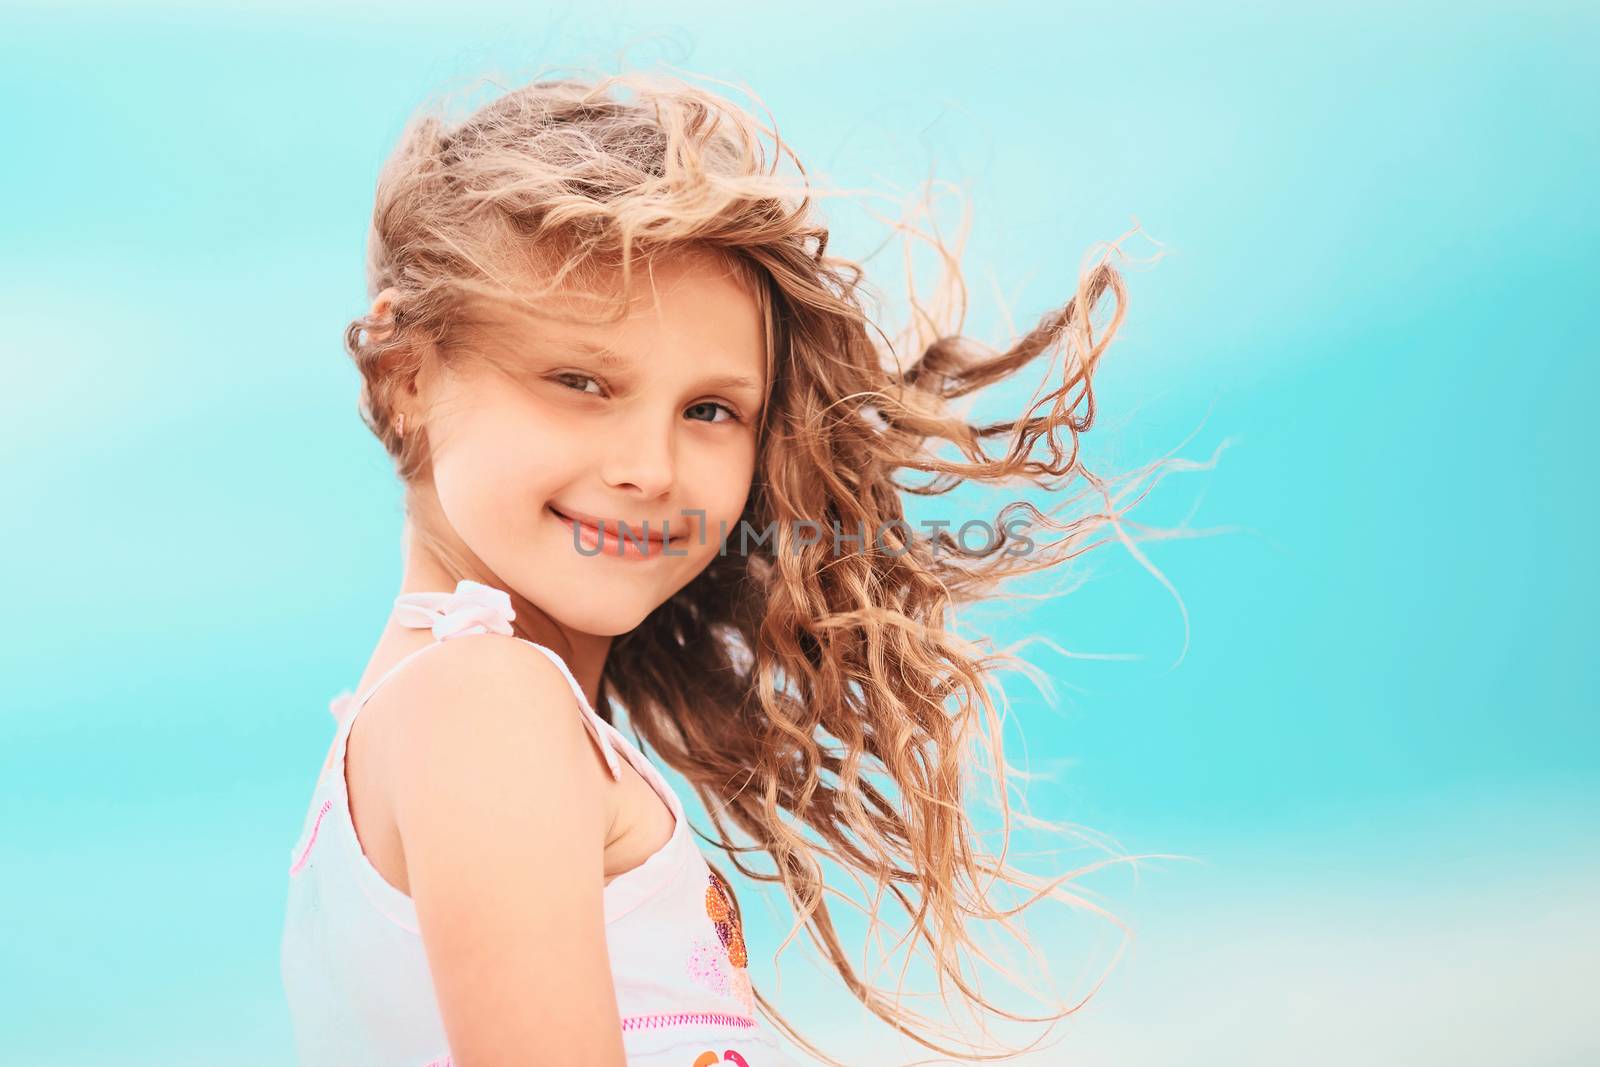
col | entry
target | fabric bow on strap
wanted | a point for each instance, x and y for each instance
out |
(340, 705)
(472, 608)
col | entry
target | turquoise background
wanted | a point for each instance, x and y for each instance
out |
(1379, 747)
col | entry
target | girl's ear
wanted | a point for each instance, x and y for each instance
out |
(412, 402)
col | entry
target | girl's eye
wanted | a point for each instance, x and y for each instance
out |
(569, 375)
(733, 416)
(567, 378)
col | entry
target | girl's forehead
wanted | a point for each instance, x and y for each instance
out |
(702, 304)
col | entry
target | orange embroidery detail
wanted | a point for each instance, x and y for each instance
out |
(719, 905)
(708, 1058)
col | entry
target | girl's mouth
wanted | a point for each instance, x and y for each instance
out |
(619, 539)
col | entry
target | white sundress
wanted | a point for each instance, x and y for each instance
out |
(354, 970)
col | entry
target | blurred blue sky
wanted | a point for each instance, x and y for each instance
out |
(1379, 273)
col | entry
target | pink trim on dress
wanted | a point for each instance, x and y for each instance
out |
(686, 1018)
(306, 852)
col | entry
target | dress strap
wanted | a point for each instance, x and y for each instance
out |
(475, 608)
(598, 727)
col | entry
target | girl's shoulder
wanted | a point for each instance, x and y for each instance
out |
(474, 695)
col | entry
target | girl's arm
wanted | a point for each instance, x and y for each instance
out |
(499, 800)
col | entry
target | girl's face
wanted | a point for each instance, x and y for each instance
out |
(649, 422)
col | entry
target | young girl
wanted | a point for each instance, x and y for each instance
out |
(648, 438)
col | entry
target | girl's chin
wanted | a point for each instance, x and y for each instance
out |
(606, 623)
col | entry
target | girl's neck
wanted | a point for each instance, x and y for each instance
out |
(584, 654)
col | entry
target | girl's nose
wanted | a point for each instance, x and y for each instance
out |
(640, 460)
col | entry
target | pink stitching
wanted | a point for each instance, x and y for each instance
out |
(443, 1061)
(686, 1018)
(304, 853)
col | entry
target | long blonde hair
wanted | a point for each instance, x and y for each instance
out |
(795, 686)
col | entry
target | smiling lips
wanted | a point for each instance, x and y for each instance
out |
(613, 537)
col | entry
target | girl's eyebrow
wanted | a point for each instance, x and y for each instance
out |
(732, 381)
(605, 356)
(608, 358)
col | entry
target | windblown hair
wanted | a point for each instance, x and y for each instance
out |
(799, 684)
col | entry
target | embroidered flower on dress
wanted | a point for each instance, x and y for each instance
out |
(705, 966)
(720, 906)
(725, 919)
(709, 1057)
(743, 991)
